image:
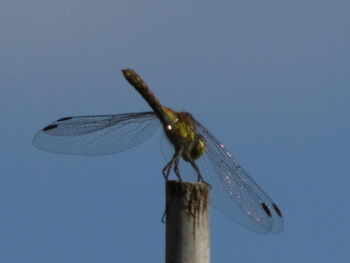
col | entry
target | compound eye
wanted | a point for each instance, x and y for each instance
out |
(199, 147)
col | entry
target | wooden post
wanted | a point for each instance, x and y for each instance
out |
(187, 222)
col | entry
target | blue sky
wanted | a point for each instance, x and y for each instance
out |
(270, 79)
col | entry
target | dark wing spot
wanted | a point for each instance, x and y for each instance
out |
(65, 119)
(278, 211)
(266, 209)
(50, 127)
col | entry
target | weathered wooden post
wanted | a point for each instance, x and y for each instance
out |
(187, 222)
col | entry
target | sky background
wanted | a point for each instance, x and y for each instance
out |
(269, 78)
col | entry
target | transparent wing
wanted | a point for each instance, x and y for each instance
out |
(96, 135)
(234, 192)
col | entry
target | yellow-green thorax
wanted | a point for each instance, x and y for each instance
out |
(181, 131)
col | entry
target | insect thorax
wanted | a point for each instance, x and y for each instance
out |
(183, 135)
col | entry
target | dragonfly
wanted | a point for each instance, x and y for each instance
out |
(234, 192)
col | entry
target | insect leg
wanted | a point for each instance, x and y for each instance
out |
(174, 162)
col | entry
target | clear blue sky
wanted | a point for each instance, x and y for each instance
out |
(269, 78)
